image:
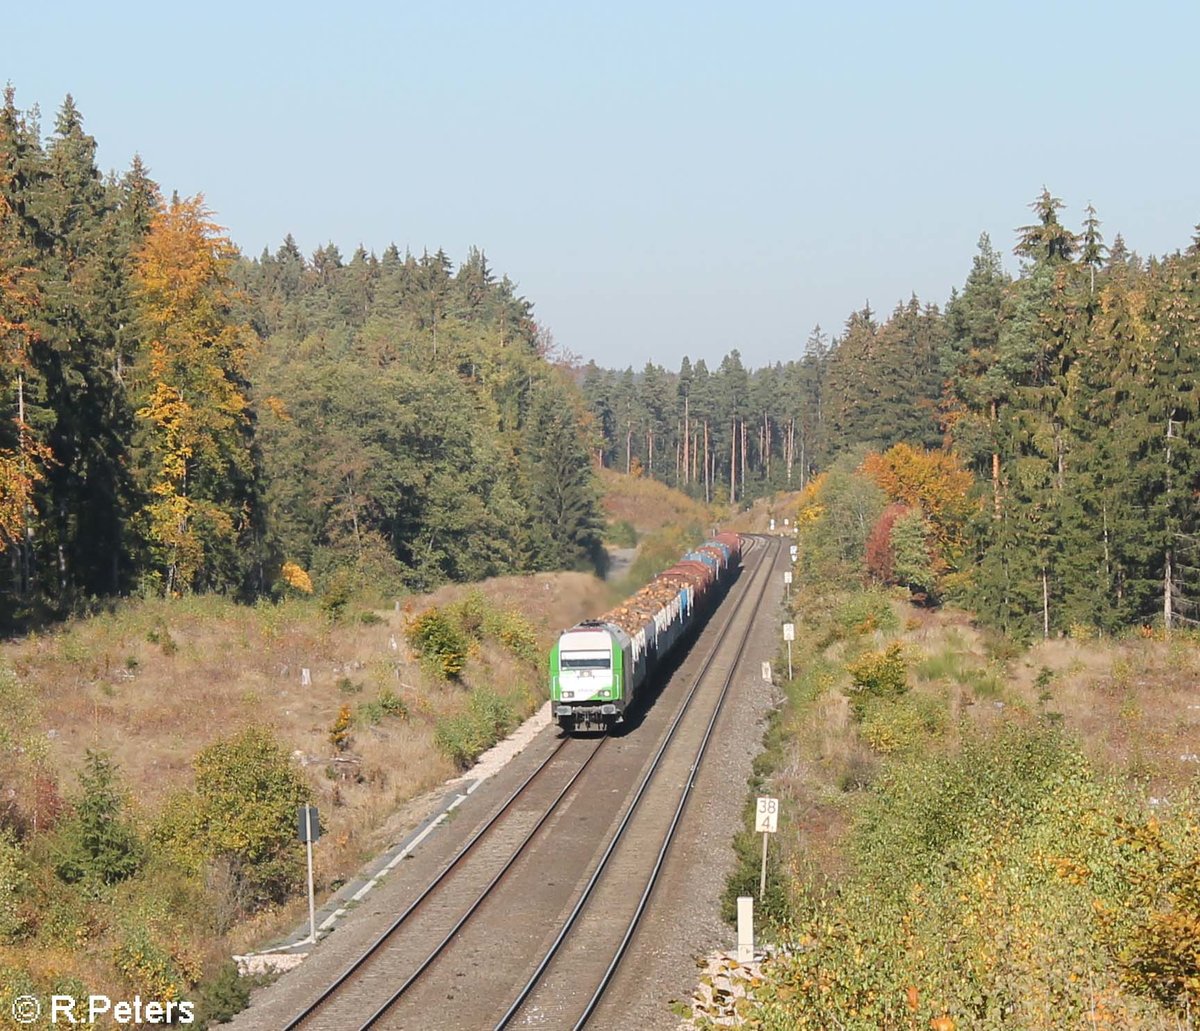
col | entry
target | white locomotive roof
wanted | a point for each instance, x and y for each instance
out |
(593, 635)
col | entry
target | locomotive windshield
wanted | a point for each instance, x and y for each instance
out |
(585, 660)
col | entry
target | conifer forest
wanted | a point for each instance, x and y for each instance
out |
(180, 417)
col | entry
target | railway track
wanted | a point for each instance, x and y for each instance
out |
(398, 980)
(574, 957)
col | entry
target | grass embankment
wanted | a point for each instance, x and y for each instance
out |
(976, 836)
(142, 868)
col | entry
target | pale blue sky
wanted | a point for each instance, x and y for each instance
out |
(661, 178)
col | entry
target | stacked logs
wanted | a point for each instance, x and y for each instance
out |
(699, 570)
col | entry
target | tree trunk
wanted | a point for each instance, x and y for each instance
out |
(1168, 600)
(1045, 605)
(1168, 586)
(26, 546)
(995, 471)
(686, 431)
(733, 464)
(707, 481)
(1107, 561)
(628, 449)
(743, 458)
(767, 450)
(789, 450)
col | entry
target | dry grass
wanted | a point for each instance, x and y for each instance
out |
(648, 505)
(154, 682)
(1131, 704)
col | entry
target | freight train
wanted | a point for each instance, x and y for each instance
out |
(598, 667)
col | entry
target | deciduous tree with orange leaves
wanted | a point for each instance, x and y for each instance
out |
(933, 481)
(195, 417)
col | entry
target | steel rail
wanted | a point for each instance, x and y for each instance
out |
(532, 983)
(520, 850)
(373, 949)
(670, 835)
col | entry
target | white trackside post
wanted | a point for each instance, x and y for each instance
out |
(762, 879)
(745, 929)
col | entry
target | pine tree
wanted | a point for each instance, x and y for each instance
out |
(1046, 239)
(1091, 254)
(22, 455)
(564, 501)
(77, 367)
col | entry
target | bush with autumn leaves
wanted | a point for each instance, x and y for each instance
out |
(1004, 885)
(897, 518)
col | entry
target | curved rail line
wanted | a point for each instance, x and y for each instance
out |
(598, 873)
(342, 982)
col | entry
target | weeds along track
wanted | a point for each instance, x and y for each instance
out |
(462, 946)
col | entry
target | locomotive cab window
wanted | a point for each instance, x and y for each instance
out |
(585, 660)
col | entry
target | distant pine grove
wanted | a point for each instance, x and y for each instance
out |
(176, 418)
(1070, 393)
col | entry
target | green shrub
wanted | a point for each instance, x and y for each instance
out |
(900, 725)
(388, 703)
(147, 966)
(160, 634)
(865, 612)
(621, 535)
(772, 910)
(222, 996)
(337, 594)
(877, 675)
(978, 889)
(486, 719)
(242, 811)
(13, 885)
(98, 843)
(470, 613)
(514, 632)
(1156, 932)
(442, 645)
